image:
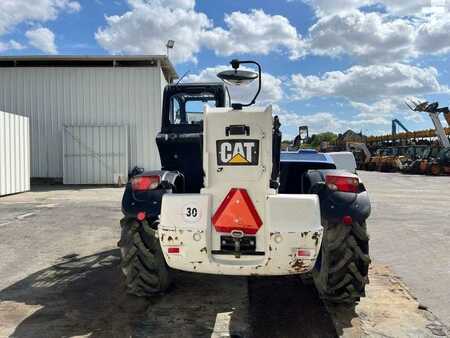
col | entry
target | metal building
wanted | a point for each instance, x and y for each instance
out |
(14, 153)
(92, 118)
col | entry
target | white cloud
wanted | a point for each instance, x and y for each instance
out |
(392, 31)
(255, 32)
(369, 36)
(13, 12)
(342, 28)
(433, 35)
(328, 122)
(377, 92)
(147, 26)
(42, 39)
(393, 7)
(369, 83)
(317, 122)
(271, 86)
(11, 44)
(381, 108)
(386, 109)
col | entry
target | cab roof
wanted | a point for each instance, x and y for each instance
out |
(306, 156)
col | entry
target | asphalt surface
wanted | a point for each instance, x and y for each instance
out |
(60, 275)
(410, 232)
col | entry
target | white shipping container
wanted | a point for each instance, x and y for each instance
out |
(14, 153)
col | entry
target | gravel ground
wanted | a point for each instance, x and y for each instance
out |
(59, 275)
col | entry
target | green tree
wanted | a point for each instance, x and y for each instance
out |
(316, 139)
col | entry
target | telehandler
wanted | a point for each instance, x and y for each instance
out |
(227, 201)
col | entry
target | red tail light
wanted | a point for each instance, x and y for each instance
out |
(143, 183)
(237, 212)
(342, 183)
(173, 250)
(141, 216)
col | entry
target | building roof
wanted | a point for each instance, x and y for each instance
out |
(92, 61)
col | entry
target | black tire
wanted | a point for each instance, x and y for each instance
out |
(341, 272)
(143, 263)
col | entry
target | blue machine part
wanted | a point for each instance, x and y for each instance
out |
(306, 156)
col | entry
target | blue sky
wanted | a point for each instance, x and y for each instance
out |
(328, 64)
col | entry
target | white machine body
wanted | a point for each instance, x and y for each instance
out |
(290, 232)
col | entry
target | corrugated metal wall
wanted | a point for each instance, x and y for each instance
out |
(53, 97)
(14, 153)
(95, 155)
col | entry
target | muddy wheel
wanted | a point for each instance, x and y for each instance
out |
(341, 271)
(143, 264)
(435, 169)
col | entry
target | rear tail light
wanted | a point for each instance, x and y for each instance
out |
(237, 213)
(342, 183)
(347, 220)
(143, 183)
(173, 250)
(141, 215)
(304, 253)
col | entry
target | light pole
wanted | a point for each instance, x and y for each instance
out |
(169, 45)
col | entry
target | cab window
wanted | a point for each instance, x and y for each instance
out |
(188, 109)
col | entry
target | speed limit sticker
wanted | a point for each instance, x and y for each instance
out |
(191, 213)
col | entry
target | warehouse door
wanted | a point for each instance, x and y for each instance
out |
(95, 154)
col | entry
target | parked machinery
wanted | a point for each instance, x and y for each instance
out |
(437, 163)
(396, 122)
(414, 154)
(421, 164)
(228, 202)
(361, 153)
(440, 165)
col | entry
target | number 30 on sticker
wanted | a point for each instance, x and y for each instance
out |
(191, 213)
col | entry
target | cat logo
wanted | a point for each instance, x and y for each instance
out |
(237, 152)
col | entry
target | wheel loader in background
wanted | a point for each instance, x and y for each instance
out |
(361, 153)
(227, 201)
(437, 160)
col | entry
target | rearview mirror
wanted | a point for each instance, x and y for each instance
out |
(237, 77)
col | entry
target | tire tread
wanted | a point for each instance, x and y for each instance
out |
(342, 274)
(143, 264)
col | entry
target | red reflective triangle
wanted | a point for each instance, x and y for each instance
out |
(237, 212)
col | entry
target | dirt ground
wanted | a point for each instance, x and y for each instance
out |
(60, 277)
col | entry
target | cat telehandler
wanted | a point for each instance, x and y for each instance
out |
(227, 201)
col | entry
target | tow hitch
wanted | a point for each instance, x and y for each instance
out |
(237, 244)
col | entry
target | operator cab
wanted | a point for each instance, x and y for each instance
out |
(180, 142)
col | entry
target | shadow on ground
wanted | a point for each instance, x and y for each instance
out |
(86, 297)
(285, 307)
(79, 296)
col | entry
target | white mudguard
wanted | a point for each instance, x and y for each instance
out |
(237, 153)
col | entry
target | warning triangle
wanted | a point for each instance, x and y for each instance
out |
(238, 159)
(237, 212)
